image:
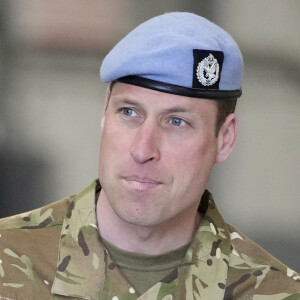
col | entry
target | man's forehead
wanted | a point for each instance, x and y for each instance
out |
(126, 94)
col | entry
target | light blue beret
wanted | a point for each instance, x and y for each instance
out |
(179, 53)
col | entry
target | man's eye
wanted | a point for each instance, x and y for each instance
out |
(177, 122)
(128, 112)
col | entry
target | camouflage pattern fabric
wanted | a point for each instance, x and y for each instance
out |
(55, 252)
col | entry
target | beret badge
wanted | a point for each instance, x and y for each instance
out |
(208, 70)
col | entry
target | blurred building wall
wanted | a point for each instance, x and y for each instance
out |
(52, 97)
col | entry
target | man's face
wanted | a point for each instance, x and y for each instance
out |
(157, 152)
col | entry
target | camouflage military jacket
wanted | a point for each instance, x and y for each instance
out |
(55, 253)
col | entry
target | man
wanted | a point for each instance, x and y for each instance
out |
(150, 229)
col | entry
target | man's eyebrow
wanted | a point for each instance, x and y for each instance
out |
(176, 109)
(126, 101)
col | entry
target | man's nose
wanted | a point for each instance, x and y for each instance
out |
(145, 145)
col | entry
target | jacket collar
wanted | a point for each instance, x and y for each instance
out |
(82, 260)
(208, 254)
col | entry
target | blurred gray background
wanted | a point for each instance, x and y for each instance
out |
(52, 97)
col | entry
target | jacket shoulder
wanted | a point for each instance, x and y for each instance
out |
(253, 269)
(46, 216)
(29, 244)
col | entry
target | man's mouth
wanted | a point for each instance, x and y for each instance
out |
(141, 183)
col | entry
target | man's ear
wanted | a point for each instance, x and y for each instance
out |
(226, 138)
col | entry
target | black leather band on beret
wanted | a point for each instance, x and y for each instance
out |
(180, 90)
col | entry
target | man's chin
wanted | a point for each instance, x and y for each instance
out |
(139, 211)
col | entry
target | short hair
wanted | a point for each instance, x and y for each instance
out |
(224, 109)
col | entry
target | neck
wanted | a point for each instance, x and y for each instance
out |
(151, 240)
